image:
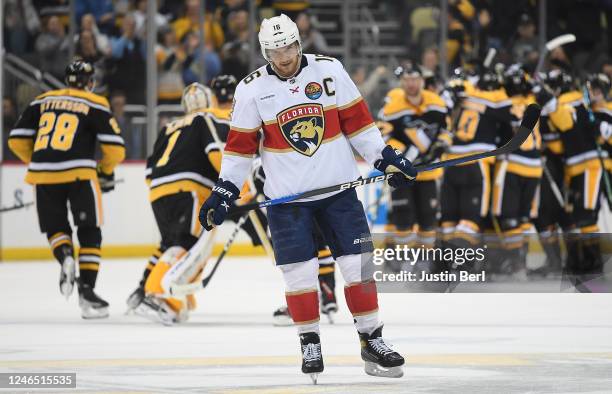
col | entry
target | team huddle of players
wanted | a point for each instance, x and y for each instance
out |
(553, 182)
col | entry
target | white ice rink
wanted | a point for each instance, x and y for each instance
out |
(453, 343)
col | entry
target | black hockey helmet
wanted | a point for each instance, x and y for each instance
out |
(601, 82)
(78, 74)
(516, 80)
(224, 87)
(408, 70)
(489, 80)
(559, 81)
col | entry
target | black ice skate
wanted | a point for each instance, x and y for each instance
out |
(312, 360)
(67, 276)
(380, 359)
(329, 307)
(92, 306)
(282, 317)
(135, 298)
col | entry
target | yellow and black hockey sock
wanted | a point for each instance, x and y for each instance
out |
(61, 245)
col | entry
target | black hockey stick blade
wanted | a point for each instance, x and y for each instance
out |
(530, 118)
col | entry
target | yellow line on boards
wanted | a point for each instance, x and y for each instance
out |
(120, 251)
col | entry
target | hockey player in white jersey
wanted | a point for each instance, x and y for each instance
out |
(311, 114)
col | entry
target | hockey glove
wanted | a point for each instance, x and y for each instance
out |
(394, 162)
(107, 181)
(216, 207)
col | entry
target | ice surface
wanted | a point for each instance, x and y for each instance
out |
(453, 343)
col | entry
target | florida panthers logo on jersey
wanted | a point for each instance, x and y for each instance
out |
(303, 127)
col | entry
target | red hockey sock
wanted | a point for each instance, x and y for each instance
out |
(303, 306)
(361, 298)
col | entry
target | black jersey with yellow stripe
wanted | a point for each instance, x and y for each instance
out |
(570, 119)
(186, 157)
(482, 123)
(218, 122)
(57, 133)
(525, 161)
(413, 128)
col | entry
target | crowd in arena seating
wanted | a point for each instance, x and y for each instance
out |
(111, 35)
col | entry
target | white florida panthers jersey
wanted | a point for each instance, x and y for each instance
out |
(308, 123)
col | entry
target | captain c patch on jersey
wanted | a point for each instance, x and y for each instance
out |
(303, 127)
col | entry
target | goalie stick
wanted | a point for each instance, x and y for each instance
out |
(530, 118)
(179, 291)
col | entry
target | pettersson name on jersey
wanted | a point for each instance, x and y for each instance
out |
(303, 127)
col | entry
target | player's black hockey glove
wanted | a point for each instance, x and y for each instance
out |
(394, 162)
(215, 208)
(107, 181)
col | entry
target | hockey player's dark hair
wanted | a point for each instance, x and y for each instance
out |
(78, 74)
(224, 87)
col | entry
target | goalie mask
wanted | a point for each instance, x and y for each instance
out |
(196, 97)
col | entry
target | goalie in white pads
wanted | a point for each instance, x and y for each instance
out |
(311, 114)
(180, 172)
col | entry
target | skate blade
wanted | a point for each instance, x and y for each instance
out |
(68, 277)
(314, 377)
(97, 313)
(374, 369)
(153, 315)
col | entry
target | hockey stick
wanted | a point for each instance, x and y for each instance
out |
(549, 47)
(553, 185)
(190, 288)
(530, 118)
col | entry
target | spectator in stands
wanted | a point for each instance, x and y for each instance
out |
(169, 64)
(225, 9)
(88, 23)
(213, 32)
(102, 10)
(236, 53)
(53, 47)
(140, 16)
(525, 48)
(129, 54)
(87, 50)
(430, 60)
(132, 135)
(458, 45)
(193, 60)
(59, 8)
(312, 39)
(291, 8)
(372, 87)
(21, 24)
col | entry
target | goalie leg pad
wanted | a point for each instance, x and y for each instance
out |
(185, 268)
